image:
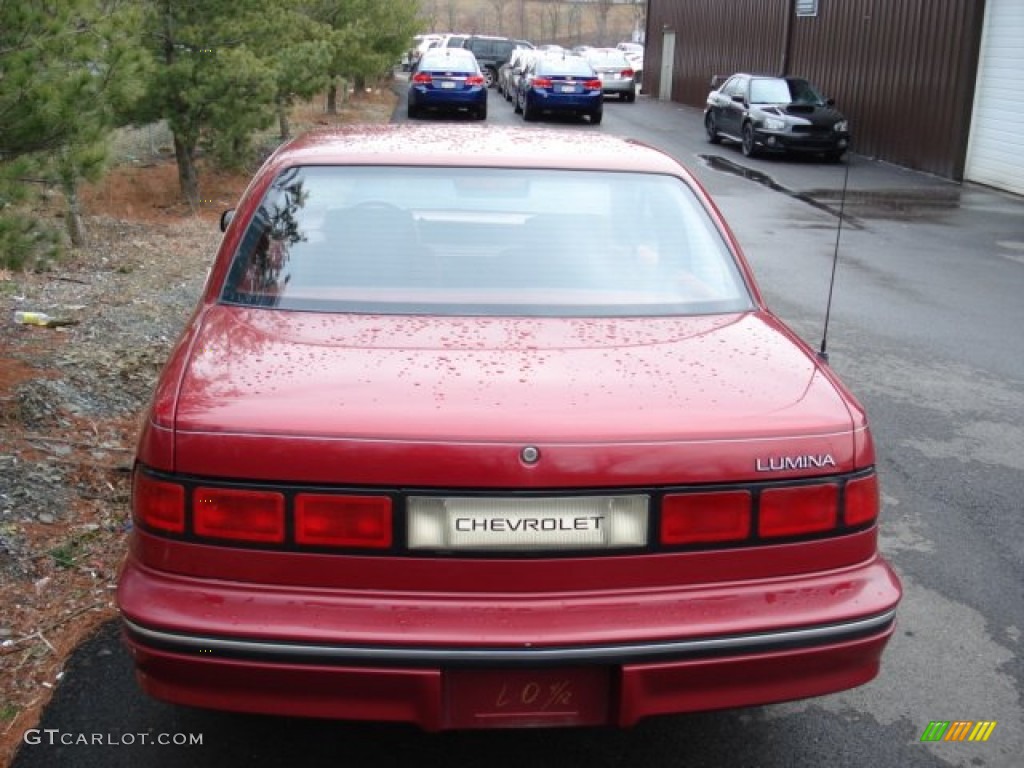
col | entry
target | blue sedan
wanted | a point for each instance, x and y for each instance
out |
(560, 84)
(450, 80)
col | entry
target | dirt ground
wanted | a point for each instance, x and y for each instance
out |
(71, 398)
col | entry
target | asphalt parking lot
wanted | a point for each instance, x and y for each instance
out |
(925, 328)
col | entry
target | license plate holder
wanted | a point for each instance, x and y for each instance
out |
(521, 698)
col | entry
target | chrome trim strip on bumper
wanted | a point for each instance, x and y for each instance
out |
(592, 654)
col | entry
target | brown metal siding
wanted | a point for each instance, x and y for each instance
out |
(902, 70)
(713, 38)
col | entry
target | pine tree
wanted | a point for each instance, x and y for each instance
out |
(369, 38)
(223, 69)
(64, 67)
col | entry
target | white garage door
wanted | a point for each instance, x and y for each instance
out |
(995, 152)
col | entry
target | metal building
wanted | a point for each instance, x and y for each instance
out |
(934, 85)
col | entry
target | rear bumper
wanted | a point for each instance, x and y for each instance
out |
(437, 99)
(612, 87)
(422, 695)
(582, 102)
(325, 653)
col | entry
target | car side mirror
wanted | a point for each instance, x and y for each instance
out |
(225, 219)
(716, 80)
(830, 102)
(738, 99)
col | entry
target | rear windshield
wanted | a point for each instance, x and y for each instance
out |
(567, 65)
(483, 241)
(607, 58)
(449, 60)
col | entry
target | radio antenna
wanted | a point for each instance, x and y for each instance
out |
(823, 352)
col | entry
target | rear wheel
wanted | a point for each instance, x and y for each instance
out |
(629, 97)
(517, 107)
(595, 117)
(490, 77)
(748, 145)
(711, 126)
(481, 112)
(834, 157)
(412, 112)
(529, 113)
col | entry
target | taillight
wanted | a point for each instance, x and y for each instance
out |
(542, 82)
(158, 504)
(422, 78)
(328, 520)
(695, 518)
(861, 504)
(242, 515)
(592, 85)
(798, 510)
(627, 73)
(475, 80)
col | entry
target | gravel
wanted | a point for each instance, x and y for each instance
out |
(70, 402)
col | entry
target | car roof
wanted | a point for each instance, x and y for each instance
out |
(759, 76)
(456, 145)
(604, 52)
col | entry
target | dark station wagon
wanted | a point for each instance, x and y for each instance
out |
(492, 428)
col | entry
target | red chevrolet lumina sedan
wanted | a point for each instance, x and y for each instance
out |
(492, 428)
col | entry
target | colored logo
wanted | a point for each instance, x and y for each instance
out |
(958, 730)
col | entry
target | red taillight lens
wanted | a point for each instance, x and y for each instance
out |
(343, 521)
(422, 78)
(158, 504)
(693, 518)
(798, 510)
(861, 500)
(227, 513)
(542, 82)
(627, 73)
(475, 80)
(592, 85)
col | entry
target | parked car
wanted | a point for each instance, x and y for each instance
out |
(505, 72)
(420, 44)
(615, 72)
(635, 53)
(492, 52)
(447, 80)
(495, 438)
(511, 71)
(775, 114)
(560, 84)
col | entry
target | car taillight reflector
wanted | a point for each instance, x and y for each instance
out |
(593, 85)
(861, 500)
(798, 510)
(628, 74)
(343, 521)
(422, 78)
(228, 513)
(158, 504)
(692, 518)
(542, 82)
(475, 80)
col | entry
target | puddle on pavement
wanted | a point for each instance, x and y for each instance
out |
(892, 204)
